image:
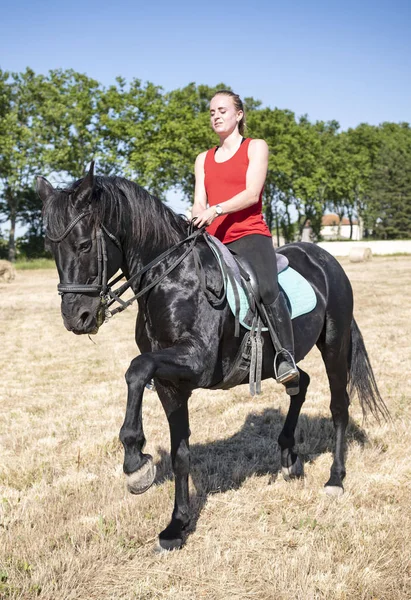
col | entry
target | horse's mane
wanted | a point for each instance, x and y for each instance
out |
(123, 207)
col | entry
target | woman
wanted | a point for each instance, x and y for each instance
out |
(229, 181)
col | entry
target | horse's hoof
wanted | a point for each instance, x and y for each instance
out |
(296, 471)
(167, 545)
(172, 537)
(140, 481)
(333, 491)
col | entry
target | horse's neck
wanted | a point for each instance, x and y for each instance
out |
(139, 253)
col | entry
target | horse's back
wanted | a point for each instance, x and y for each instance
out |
(332, 289)
(319, 267)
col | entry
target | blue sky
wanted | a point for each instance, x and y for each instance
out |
(349, 61)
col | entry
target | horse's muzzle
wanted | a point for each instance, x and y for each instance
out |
(85, 324)
(82, 317)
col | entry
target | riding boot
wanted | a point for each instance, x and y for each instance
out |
(279, 325)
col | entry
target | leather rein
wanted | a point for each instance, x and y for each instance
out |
(103, 287)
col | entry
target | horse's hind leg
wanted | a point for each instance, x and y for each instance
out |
(291, 465)
(339, 410)
(335, 355)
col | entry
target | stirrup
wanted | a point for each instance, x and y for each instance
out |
(150, 385)
(292, 372)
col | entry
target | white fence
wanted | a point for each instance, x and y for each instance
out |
(376, 247)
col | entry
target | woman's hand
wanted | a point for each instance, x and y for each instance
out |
(205, 217)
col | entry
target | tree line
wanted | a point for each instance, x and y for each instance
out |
(56, 123)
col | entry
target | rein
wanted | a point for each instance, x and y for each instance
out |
(115, 295)
(102, 287)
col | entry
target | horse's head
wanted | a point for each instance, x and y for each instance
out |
(86, 254)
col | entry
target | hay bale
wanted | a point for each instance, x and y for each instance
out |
(360, 254)
(7, 272)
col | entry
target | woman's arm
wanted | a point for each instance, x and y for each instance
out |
(255, 178)
(200, 196)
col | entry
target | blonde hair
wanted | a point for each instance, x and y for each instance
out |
(238, 104)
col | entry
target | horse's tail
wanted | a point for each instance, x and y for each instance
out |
(361, 378)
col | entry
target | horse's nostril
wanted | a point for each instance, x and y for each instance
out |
(84, 317)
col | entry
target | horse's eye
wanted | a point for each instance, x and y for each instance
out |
(84, 246)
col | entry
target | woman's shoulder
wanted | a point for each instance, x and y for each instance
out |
(257, 150)
(200, 161)
(201, 157)
(257, 144)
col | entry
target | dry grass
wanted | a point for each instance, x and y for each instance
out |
(69, 530)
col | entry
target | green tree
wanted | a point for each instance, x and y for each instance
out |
(350, 169)
(31, 244)
(129, 129)
(278, 128)
(68, 112)
(185, 132)
(390, 188)
(155, 136)
(311, 180)
(362, 146)
(21, 144)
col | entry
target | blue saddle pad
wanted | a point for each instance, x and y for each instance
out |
(299, 292)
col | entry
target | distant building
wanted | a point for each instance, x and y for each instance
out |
(329, 229)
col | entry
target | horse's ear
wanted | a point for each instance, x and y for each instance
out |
(82, 194)
(44, 188)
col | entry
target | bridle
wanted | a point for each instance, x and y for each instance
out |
(103, 288)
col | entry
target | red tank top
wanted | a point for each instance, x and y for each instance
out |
(223, 181)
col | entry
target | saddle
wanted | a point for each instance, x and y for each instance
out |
(242, 293)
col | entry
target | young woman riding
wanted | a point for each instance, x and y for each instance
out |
(229, 182)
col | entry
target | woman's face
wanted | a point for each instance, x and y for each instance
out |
(224, 116)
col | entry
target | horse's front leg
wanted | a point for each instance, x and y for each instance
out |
(172, 536)
(139, 468)
(177, 371)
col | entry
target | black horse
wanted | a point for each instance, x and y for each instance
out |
(184, 331)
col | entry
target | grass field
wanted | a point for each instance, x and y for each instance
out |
(69, 529)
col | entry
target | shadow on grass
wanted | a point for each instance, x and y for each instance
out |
(224, 464)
